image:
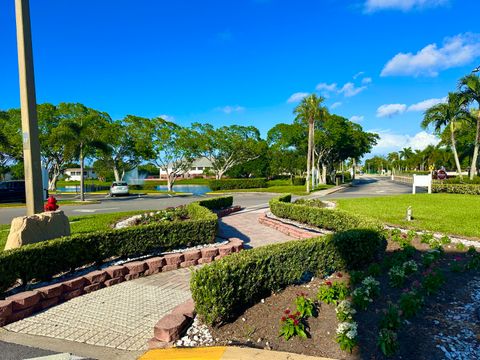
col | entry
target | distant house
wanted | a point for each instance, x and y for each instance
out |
(74, 174)
(199, 168)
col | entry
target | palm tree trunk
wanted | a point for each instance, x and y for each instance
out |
(313, 157)
(473, 168)
(309, 154)
(454, 149)
(82, 193)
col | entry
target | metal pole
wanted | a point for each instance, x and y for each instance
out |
(31, 143)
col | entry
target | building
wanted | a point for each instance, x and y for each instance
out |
(74, 174)
(199, 168)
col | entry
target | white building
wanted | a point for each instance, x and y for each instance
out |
(198, 169)
(74, 174)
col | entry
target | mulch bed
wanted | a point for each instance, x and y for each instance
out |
(421, 337)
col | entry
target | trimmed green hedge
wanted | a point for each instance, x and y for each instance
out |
(223, 289)
(42, 261)
(469, 189)
(298, 181)
(233, 184)
(217, 203)
(330, 219)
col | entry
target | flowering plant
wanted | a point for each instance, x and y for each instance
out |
(431, 256)
(292, 325)
(331, 293)
(387, 341)
(410, 302)
(361, 297)
(372, 285)
(347, 335)
(432, 281)
(345, 311)
(305, 306)
(391, 318)
(410, 267)
(397, 276)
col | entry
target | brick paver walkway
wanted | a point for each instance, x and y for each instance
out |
(123, 316)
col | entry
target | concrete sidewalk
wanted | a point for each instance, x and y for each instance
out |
(223, 353)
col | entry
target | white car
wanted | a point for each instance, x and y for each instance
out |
(118, 189)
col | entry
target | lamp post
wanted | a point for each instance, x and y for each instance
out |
(31, 143)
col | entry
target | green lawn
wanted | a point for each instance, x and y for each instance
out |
(282, 189)
(447, 213)
(82, 224)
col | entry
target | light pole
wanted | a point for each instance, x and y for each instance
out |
(31, 143)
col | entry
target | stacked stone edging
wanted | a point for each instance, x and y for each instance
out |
(287, 229)
(24, 304)
(228, 211)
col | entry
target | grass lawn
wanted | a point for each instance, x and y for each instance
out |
(447, 213)
(282, 189)
(81, 224)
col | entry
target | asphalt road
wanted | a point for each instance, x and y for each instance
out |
(363, 187)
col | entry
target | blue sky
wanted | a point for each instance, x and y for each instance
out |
(247, 61)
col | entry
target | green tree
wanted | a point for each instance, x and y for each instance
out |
(308, 111)
(470, 89)
(226, 146)
(445, 116)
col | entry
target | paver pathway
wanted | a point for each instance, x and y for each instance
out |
(123, 316)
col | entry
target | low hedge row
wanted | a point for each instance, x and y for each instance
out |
(232, 184)
(469, 189)
(223, 289)
(42, 261)
(217, 203)
(335, 220)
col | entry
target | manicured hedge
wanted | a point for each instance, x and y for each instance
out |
(43, 260)
(298, 181)
(330, 219)
(217, 203)
(232, 184)
(469, 189)
(223, 289)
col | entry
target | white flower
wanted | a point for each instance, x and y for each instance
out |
(349, 329)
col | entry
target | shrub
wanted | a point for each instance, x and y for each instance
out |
(330, 219)
(388, 342)
(217, 203)
(226, 287)
(391, 318)
(232, 184)
(469, 189)
(298, 181)
(42, 261)
(410, 303)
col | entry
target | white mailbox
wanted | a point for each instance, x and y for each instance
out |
(423, 181)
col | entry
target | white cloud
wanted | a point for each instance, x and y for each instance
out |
(349, 89)
(389, 110)
(357, 118)
(426, 104)
(366, 80)
(335, 105)
(326, 87)
(167, 117)
(231, 109)
(358, 74)
(390, 141)
(404, 5)
(296, 97)
(456, 51)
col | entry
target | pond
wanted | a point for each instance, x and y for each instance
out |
(76, 188)
(194, 189)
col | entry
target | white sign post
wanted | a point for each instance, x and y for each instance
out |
(423, 181)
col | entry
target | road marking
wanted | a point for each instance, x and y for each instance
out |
(94, 210)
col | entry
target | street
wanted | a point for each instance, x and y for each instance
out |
(363, 187)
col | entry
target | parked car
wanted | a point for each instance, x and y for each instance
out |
(119, 188)
(12, 191)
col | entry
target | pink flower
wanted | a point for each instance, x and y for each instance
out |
(328, 283)
(416, 284)
(287, 311)
(339, 274)
(295, 322)
(284, 319)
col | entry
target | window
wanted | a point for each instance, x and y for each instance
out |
(199, 167)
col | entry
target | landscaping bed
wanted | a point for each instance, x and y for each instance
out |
(424, 293)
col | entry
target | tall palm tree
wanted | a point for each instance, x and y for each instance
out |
(308, 111)
(446, 115)
(470, 89)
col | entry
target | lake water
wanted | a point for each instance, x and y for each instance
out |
(194, 189)
(76, 188)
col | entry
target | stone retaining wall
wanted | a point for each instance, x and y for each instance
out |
(24, 304)
(288, 229)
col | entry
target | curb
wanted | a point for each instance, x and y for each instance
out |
(287, 229)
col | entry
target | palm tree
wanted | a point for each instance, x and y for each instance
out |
(406, 155)
(470, 89)
(446, 115)
(80, 133)
(308, 111)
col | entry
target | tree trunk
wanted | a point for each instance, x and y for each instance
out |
(309, 155)
(170, 182)
(354, 168)
(52, 183)
(116, 174)
(454, 150)
(324, 174)
(82, 193)
(473, 168)
(313, 158)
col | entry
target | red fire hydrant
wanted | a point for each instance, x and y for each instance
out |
(51, 204)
